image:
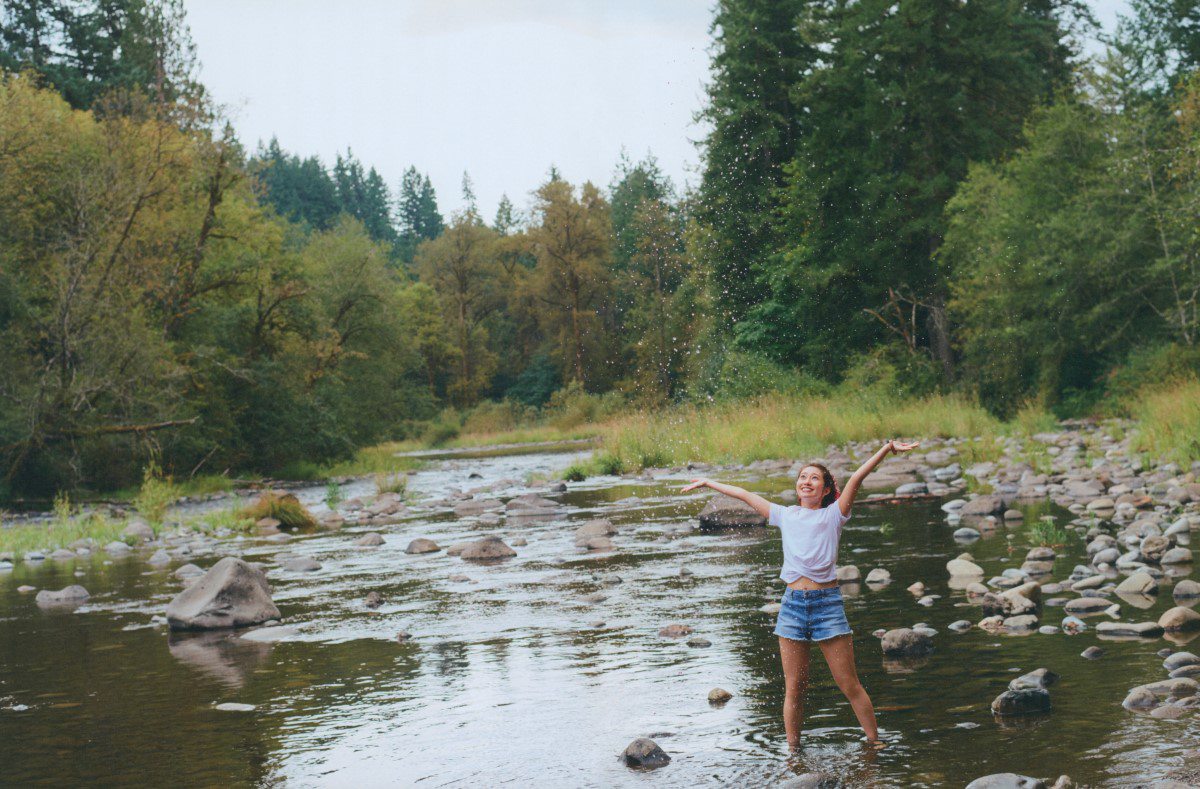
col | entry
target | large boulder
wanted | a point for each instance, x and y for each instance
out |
(231, 594)
(963, 567)
(906, 642)
(487, 548)
(725, 511)
(1026, 701)
(1129, 629)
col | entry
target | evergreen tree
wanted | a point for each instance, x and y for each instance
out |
(633, 184)
(470, 206)
(506, 217)
(418, 216)
(364, 196)
(907, 96)
(760, 56)
(300, 190)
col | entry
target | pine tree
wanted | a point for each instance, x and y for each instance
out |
(506, 218)
(418, 217)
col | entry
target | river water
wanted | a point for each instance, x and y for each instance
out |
(510, 679)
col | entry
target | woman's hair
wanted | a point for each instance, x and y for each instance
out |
(827, 480)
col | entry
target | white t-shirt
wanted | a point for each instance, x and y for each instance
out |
(810, 540)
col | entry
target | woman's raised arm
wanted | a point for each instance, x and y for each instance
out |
(760, 505)
(846, 500)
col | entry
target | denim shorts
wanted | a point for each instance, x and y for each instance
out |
(812, 615)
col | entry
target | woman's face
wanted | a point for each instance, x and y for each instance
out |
(810, 485)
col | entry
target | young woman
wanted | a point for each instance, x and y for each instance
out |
(812, 609)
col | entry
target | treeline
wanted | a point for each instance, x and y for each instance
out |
(913, 197)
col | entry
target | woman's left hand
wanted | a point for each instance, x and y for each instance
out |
(900, 446)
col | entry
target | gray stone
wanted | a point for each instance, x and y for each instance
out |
(487, 548)
(1021, 623)
(813, 781)
(966, 533)
(719, 696)
(912, 488)
(1139, 583)
(962, 568)
(1039, 678)
(1092, 653)
(725, 511)
(1086, 606)
(1179, 660)
(1178, 555)
(1129, 629)
(1140, 699)
(117, 548)
(74, 594)
(848, 574)
(422, 545)
(594, 528)
(676, 631)
(138, 531)
(159, 558)
(1006, 781)
(1026, 701)
(1179, 619)
(370, 540)
(599, 544)
(983, 505)
(301, 564)
(645, 753)
(906, 642)
(960, 626)
(699, 642)
(879, 576)
(1186, 589)
(231, 594)
(233, 706)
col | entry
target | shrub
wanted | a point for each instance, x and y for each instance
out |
(575, 473)
(155, 496)
(1048, 534)
(495, 417)
(283, 507)
(392, 483)
(571, 406)
(445, 428)
(608, 463)
(333, 495)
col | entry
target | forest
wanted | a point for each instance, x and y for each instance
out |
(932, 197)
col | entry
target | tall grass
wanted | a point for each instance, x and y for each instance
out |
(1169, 421)
(782, 426)
(62, 530)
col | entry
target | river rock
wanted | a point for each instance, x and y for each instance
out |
(1153, 547)
(879, 576)
(725, 511)
(422, 545)
(1179, 555)
(599, 544)
(966, 533)
(233, 706)
(1138, 583)
(231, 594)
(301, 564)
(74, 594)
(906, 642)
(1186, 589)
(1129, 629)
(848, 574)
(1086, 606)
(983, 505)
(963, 568)
(960, 626)
(1179, 660)
(645, 753)
(600, 527)
(1072, 625)
(1040, 553)
(1091, 582)
(912, 489)
(1092, 653)
(370, 540)
(699, 642)
(1140, 699)
(138, 531)
(1026, 701)
(676, 631)
(487, 548)
(719, 696)
(1021, 624)
(1179, 619)
(374, 599)
(1038, 678)
(917, 588)
(117, 548)
(813, 781)
(159, 558)
(1006, 781)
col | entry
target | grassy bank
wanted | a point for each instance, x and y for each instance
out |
(788, 427)
(1169, 422)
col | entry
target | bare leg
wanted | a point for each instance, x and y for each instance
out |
(839, 654)
(794, 655)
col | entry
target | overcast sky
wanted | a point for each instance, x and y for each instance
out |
(500, 88)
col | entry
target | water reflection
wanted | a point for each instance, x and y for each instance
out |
(221, 656)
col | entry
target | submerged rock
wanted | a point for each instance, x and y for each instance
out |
(676, 631)
(70, 595)
(1026, 701)
(370, 540)
(644, 752)
(1006, 781)
(231, 594)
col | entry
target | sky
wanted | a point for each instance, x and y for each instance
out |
(501, 89)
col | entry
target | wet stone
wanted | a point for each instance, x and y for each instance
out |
(1092, 653)
(699, 642)
(1026, 701)
(645, 753)
(422, 545)
(719, 696)
(675, 631)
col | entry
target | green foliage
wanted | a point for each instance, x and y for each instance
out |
(537, 382)
(576, 472)
(1047, 533)
(447, 426)
(1170, 422)
(571, 406)
(333, 495)
(609, 464)
(283, 507)
(157, 493)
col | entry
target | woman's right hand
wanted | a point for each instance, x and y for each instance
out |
(696, 483)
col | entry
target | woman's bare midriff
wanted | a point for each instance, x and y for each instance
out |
(804, 582)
